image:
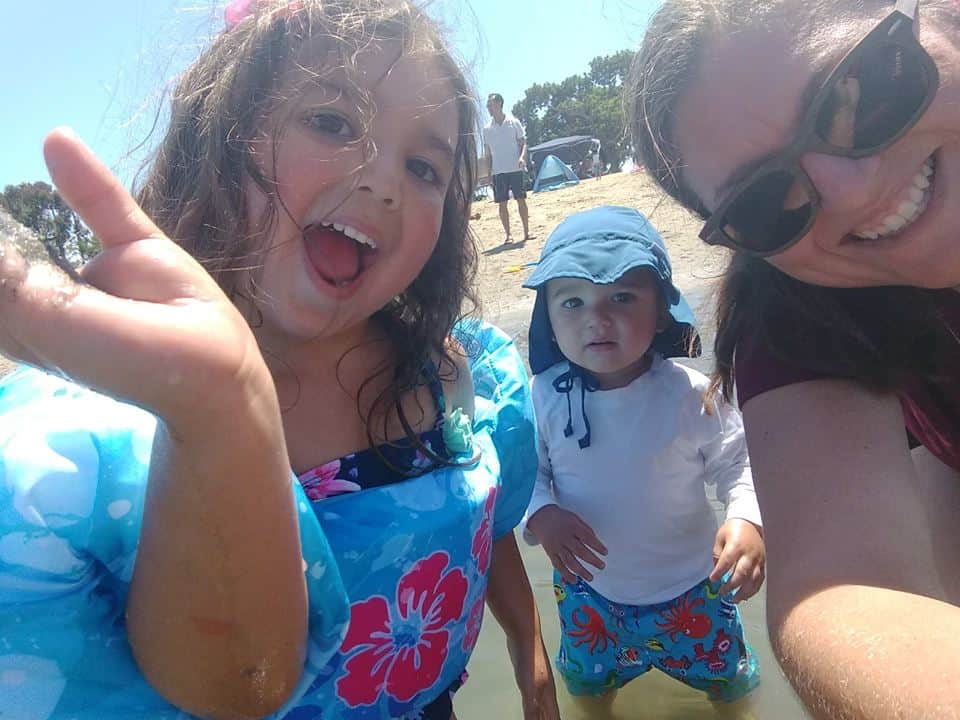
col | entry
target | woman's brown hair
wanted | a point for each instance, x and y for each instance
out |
(880, 336)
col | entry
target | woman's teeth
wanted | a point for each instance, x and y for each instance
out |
(912, 204)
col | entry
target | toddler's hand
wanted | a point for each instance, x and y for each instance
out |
(739, 547)
(567, 540)
(149, 325)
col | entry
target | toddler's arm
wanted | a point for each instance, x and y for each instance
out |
(738, 546)
(565, 537)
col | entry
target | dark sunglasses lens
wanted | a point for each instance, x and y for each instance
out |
(769, 213)
(879, 95)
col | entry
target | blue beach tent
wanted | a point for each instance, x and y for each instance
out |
(554, 173)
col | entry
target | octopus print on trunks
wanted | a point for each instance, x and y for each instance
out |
(696, 638)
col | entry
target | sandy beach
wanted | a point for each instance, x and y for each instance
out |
(506, 303)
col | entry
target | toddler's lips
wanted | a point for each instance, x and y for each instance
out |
(602, 346)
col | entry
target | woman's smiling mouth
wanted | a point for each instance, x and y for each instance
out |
(912, 203)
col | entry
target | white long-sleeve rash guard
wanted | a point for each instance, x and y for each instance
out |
(641, 482)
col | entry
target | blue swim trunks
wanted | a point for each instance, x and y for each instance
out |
(696, 638)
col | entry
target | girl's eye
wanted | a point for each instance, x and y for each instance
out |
(571, 303)
(624, 297)
(423, 170)
(330, 123)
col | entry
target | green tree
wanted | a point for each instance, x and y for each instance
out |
(39, 207)
(588, 104)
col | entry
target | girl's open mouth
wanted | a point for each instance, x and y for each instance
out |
(338, 253)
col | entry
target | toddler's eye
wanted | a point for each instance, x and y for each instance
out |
(330, 123)
(624, 297)
(571, 303)
(423, 170)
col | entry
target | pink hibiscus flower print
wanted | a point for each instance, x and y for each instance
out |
(483, 539)
(474, 621)
(399, 650)
(322, 482)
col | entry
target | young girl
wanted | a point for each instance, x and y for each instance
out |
(319, 166)
(626, 445)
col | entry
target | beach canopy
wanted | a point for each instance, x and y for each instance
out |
(554, 173)
(572, 150)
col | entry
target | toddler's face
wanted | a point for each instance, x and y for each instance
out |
(606, 329)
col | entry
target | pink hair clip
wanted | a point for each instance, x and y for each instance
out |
(238, 10)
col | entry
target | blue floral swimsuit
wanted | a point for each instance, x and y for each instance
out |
(396, 567)
(389, 463)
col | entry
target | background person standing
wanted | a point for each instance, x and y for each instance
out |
(505, 149)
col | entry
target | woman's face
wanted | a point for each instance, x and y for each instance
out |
(745, 105)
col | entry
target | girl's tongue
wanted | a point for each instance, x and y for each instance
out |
(332, 254)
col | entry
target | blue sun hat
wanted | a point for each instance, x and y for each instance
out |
(601, 245)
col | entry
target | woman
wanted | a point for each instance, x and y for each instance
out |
(821, 141)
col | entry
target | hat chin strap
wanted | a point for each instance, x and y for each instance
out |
(563, 383)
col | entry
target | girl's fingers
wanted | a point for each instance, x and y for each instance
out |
(91, 189)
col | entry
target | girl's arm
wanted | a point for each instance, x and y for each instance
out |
(511, 601)
(854, 604)
(217, 608)
(217, 611)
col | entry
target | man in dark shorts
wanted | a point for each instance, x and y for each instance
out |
(505, 149)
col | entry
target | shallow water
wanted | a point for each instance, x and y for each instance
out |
(491, 691)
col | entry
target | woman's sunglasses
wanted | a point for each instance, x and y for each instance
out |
(871, 98)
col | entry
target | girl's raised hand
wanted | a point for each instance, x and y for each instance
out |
(148, 325)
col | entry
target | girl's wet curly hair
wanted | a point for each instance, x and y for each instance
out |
(193, 187)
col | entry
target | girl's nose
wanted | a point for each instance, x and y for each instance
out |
(843, 183)
(380, 177)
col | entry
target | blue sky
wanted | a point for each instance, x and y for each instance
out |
(100, 66)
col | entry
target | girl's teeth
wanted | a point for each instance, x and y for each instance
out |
(353, 234)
